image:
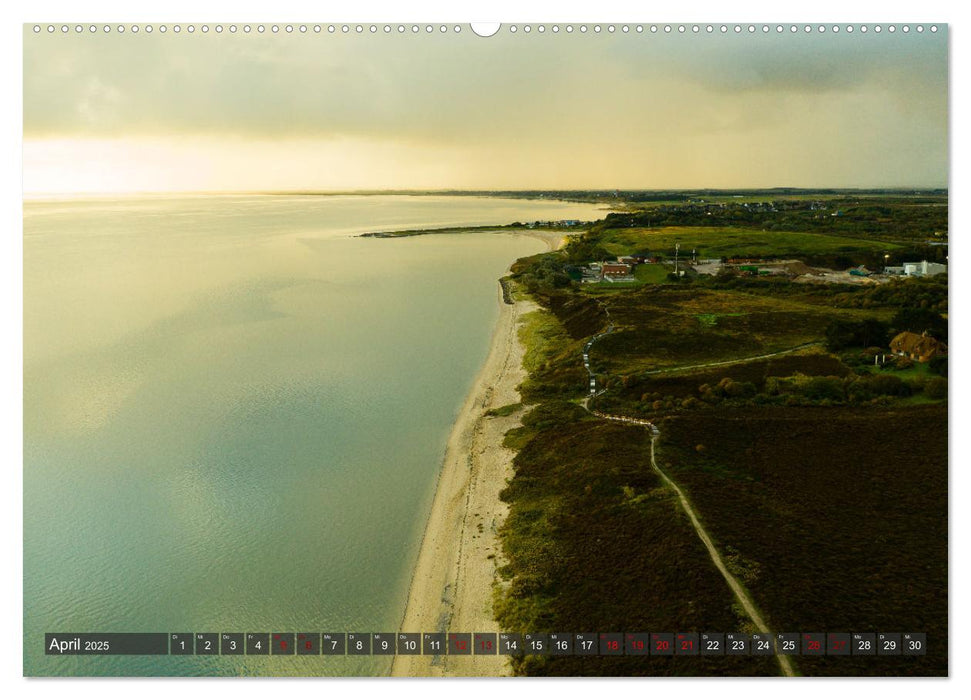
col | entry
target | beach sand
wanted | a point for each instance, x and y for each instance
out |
(451, 588)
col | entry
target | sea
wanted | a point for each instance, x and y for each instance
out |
(235, 411)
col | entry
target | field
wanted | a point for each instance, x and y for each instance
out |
(652, 274)
(811, 363)
(838, 516)
(595, 544)
(717, 242)
(668, 326)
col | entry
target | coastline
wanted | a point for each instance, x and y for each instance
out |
(553, 237)
(451, 584)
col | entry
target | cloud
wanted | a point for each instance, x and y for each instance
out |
(576, 108)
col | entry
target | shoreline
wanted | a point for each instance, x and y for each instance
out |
(554, 238)
(452, 581)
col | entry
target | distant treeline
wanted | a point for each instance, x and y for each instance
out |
(883, 219)
(906, 293)
(635, 196)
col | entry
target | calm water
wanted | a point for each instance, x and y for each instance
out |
(235, 412)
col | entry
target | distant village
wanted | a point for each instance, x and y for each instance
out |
(917, 347)
(623, 269)
(561, 223)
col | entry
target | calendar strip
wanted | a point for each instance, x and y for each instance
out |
(488, 644)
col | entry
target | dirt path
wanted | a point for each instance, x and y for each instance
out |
(740, 361)
(741, 595)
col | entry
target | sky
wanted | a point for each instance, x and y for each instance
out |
(114, 112)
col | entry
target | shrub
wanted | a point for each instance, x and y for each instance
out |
(869, 332)
(903, 362)
(936, 388)
(887, 385)
(824, 389)
(938, 365)
(920, 319)
(735, 390)
(859, 390)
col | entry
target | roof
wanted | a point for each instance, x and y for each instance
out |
(916, 344)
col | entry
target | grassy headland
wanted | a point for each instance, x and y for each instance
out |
(820, 475)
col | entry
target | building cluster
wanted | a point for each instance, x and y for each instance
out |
(702, 206)
(916, 269)
(561, 223)
(619, 270)
(919, 347)
(798, 271)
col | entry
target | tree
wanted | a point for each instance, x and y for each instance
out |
(583, 251)
(938, 365)
(918, 320)
(841, 334)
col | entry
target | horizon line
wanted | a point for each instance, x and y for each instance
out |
(478, 191)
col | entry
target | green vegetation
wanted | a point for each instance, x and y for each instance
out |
(842, 510)
(652, 274)
(938, 365)
(593, 542)
(788, 380)
(923, 293)
(936, 388)
(638, 200)
(903, 220)
(675, 325)
(920, 320)
(502, 411)
(542, 336)
(712, 319)
(775, 418)
(867, 332)
(542, 274)
(724, 242)
(835, 232)
(549, 351)
(643, 274)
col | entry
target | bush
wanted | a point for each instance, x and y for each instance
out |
(553, 413)
(728, 387)
(870, 332)
(859, 390)
(903, 362)
(936, 388)
(938, 365)
(824, 389)
(887, 385)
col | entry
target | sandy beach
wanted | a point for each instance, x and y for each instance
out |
(451, 588)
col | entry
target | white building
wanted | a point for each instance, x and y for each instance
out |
(917, 269)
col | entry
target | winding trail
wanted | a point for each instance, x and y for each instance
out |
(741, 595)
(740, 361)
